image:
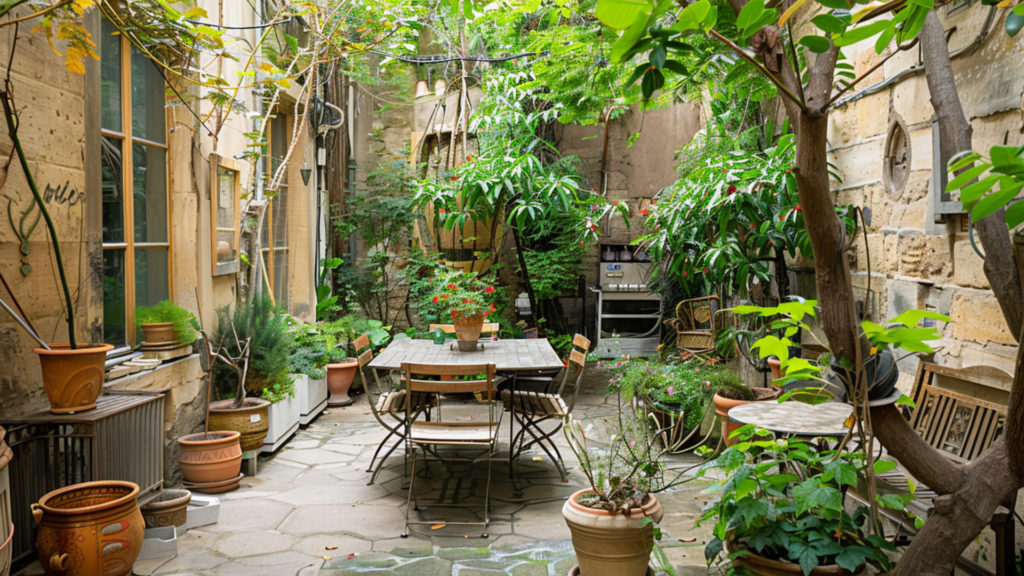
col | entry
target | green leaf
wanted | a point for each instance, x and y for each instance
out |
(1015, 215)
(1019, 9)
(883, 466)
(812, 493)
(829, 23)
(894, 501)
(860, 33)
(693, 16)
(993, 202)
(961, 161)
(1014, 23)
(804, 554)
(853, 557)
(767, 17)
(912, 318)
(816, 44)
(658, 56)
(637, 73)
(961, 180)
(884, 39)
(1005, 155)
(653, 81)
(972, 193)
(905, 400)
(677, 67)
(750, 510)
(629, 38)
(621, 14)
(750, 13)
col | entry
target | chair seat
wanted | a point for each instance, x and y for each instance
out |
(394, 402)
(535, 402)
(424, 432)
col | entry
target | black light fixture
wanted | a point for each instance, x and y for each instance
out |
(306, 173)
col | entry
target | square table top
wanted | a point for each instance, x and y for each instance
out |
(506, 355)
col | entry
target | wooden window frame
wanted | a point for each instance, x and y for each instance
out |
(216, 163)
(129, 244)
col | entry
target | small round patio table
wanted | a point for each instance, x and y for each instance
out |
(794, 418)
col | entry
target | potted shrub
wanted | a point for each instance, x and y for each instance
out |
(341, 334)
(780, 509)
(613, 522)
(309, 361)
(467, 299)
(165, 324)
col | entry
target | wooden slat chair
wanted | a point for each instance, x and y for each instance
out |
(695, 324)
(531, 409)
(388, 407)
(960, 412)
(427, 436)
(490, 329)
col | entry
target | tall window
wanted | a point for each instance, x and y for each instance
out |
(136, 231)
(275, 228)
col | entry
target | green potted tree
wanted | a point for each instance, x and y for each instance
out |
(467, 299)
(780, 509)
(165, 325)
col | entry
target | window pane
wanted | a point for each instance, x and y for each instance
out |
(151, 277)
(226, 198)
(281, 278)
(149, 184)
(280, 203)
(226, 247)
(110, 77)
(113, 298)
(148, 117)
(113, 195)
(278, 143)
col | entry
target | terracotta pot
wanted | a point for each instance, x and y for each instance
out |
(610, 544)
(467, 329)
(73, 379)
(169, 508)
(6, 551)
(339, 380)
(210, 457)
(216, 487)
(723, 405)
(159, 333)
(776, 365)
(90, 529)
(765, 567)
(251, 420)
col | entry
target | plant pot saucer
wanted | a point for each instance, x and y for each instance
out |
(575, 571)
(454, 346)
(341, 403)
(160, 347)
(215, 487)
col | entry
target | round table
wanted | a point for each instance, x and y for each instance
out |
(794, 418)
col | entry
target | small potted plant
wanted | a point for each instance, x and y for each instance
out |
(340, 335)
(467, 298)
(165, 324)
(613, 522)
(780, 509)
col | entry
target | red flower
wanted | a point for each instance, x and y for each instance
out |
(492, 306)
(469, 158)
(486, 313)
(467, 300)
(782, 218)
(441, 211)
(436, 299)
(444, 297)
(751, 226)
(798, 209)
(581, 242)
(452, 286)
(566, 364)
(615, 202)
(644, 212)
(593, 227)
(705, 270)
(684, 273)
(454, 178)
(654, 202)
(453, 313)
(731, 190)
(489, 290)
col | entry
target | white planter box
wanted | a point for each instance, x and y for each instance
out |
(159, 542)
(312, 399)
(284, 417)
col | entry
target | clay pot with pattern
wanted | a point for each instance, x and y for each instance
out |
(610, 544)
(73, 379)
(251, 420)
(169, 508)
(90, 529)
(209, 457)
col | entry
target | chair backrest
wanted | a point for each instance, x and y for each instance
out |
(413, 377)
(364, 359)
(489, 328)
(695, 323)
(577, 360)
(960, 410)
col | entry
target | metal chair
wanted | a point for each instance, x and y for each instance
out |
(427, 436)
(531, 409)
(389, 402)
(695, 324)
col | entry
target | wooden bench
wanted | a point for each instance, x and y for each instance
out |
(960, 412)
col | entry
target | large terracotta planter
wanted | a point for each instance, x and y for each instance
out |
(159, 333)
(467, 329)
(90, 529)
(251, 420)
(723, 405)
(610, 544)
(169, 508)
(766, 567)
(210, 456)
(73, 379)
(339, 380)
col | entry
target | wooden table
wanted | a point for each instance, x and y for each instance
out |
(795, 418)
(506, 355)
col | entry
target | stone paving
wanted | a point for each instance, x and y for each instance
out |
(310, 511)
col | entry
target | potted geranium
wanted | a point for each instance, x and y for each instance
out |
(780, 509)
(165, 324)
(468, 299)
(613, 522)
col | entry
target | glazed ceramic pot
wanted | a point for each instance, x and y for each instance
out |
(169, 508)
(339, 379)
(159, 333)
(6, 551)
(468, 328)
(73, 379)
(210, 456)
(723, 405)
(90, 529)
(610, 544)
(251, 420)
(766, 567)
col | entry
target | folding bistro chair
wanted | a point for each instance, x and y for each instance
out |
(388, 407)
(428, 436)
(531, 409)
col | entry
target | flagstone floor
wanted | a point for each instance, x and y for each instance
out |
(310, 511)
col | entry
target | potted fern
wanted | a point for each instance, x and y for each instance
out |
(165, 325)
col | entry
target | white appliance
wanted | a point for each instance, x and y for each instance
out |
(628, 311)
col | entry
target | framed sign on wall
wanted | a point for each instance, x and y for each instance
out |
(225, 207)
